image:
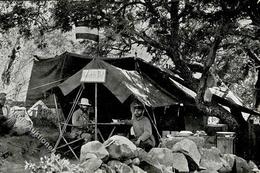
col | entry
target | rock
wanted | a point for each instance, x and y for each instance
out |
(93, 147)
(169, 159)
(120, 167)
(190, 150)
(241, 165)
(107, 168)
(226, 167)
(170, 142)
(253, 166)
(136, 161)
(163, 155)
(211, 159)
(128, 162)
(120, 148)
(208, 171)
(100, 171)
(230, 159)
(148, 163)
(180, 162)
(136, 169)
(91, 164)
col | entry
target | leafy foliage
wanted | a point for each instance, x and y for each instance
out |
(54, 163)
(213, 33)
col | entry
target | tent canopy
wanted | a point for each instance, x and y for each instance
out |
(122, 83)
(47, 74)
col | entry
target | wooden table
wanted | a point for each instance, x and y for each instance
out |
(114, 125)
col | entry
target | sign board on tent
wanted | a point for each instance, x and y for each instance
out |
(93, 76)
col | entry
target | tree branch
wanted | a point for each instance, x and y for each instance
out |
(253, 56)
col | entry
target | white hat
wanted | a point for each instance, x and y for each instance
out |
(84, 101)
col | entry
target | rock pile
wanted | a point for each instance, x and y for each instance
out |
(119, 155)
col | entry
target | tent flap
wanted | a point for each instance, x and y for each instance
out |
(122, 84)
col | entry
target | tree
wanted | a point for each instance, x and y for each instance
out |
(184, 31)
(212, 33)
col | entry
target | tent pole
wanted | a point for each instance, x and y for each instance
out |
(95, 111)
(57, 114)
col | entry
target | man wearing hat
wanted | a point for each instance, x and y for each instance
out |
(80, 120)
(142, 127)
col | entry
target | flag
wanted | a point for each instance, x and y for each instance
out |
(83, 32)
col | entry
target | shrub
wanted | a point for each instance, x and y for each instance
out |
(54, 163)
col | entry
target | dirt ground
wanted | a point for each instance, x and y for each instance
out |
(15, 150)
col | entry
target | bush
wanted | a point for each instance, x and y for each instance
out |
(54, 163)
(45, 118)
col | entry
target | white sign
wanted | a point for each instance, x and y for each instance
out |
(93, 76)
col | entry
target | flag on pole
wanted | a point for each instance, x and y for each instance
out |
(84, 32)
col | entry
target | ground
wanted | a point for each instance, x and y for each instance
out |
(15, 150)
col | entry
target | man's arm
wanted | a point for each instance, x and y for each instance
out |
(147, 130)
(75, 119)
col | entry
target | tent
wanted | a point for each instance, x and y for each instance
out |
(122, 84)
(156, 87)
(126, 78)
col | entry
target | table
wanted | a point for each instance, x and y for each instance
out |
(114, 125)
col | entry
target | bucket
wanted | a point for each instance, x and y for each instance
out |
(225, 142)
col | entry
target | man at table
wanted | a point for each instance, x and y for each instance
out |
(142, 127)
(80, 121)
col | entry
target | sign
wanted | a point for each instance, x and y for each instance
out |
(93, 76)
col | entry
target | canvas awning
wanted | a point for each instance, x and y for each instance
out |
(122, 83)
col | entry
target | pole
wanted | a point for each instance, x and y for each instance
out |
(57, 113)
(96, 111)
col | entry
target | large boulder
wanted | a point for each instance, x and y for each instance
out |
(230, 159)
(169, 159)
(120, 167)
(208, 171)
(190, 150)
(120, 148)
(93, 147)
(100, 171)
(136, 169)
(147, 162)
(253, 166)
(241, 165)
(211, 158)
(92, 164)
(170, 142)
(180, 162)
(163, 155)
(107, 168)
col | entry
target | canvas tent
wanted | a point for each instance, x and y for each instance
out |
(60, 75)
(122, 83)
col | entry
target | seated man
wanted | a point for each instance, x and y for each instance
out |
(142, 127)
(80, 122)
